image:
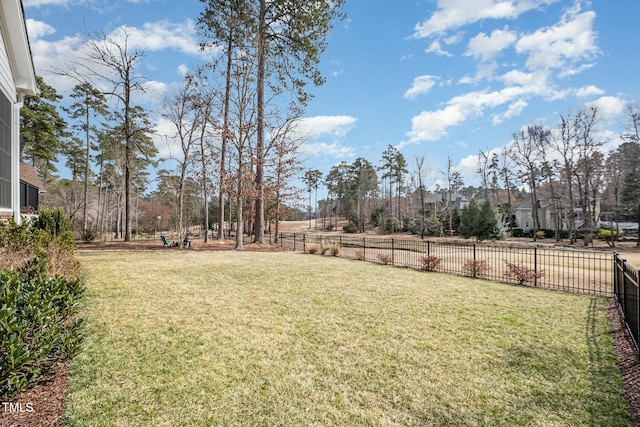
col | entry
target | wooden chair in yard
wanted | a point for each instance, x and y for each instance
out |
(168, 243)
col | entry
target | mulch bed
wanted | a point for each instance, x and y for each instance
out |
(41, 406)
(47, 399)
(629, 361)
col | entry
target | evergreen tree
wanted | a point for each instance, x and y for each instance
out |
(470, 219)
(489, 222)
(42, 130)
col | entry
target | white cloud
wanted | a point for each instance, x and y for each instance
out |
(160, 35)
(536, 83)
(38, 29)
(486, 48)
(436, 48)
(453, 14)
(468, 167)
(183, 70)
(38, 3)
(421, 85)
(514, 110)
(337, 126)
(433, 125)
(51, 57)
(562, 45)
(608, 106)
(589, 91)
(153, 93)
(334, 149)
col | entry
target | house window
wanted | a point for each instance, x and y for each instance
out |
(28, 198)
(5, 152)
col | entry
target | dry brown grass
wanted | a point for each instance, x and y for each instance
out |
(227, 338)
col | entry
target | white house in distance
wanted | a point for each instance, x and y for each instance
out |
(17, 79)
(553, 212)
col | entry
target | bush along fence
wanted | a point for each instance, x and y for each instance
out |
(569, 270)
(578, 271)
(628, 297)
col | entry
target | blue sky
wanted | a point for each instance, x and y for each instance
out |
(443, 78)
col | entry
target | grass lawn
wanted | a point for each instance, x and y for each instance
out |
(225, 338)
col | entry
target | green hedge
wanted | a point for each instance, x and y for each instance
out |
(40, 289)
(38, 324)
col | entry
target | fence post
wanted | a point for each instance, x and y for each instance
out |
(535, 266)
(474, 260)
(304, 243)
(393, 251)
(364, 248)
(428, 248)
(294, 242)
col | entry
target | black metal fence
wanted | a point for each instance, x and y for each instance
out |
(570, 270)
(626, 292)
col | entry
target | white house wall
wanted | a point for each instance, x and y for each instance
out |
(7, 89)
(17, 78)
(6, 78)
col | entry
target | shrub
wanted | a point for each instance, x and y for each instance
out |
(312, 249)
(38, 302)
(335, 249)
(430, 262)
(22, 242)
(475, 267)
(521, 273)
(39, 320)
(540, 234)
(517, 232)
(53, 221)
(89, 236)
(435, 226)
(350, 227)
(360, 255)
(610, 235)
(385, 258)
(324, 249)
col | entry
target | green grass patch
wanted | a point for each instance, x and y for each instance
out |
(226, 338)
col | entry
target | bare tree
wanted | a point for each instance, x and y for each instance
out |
(112, 64)
(564, 142)
(183, 111)
(548, 169)
(421, 171)
(587, 147)
(283, 164)
(526, 154)
(454, 183)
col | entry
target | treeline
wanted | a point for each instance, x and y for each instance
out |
(235, 140)
(234, 123)
(563, 170)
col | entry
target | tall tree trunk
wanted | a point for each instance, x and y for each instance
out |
(225, 137)
(259, 180)
(127, 194)
(86, 181)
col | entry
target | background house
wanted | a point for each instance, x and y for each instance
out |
(31, 188)
(554, 213)
(17, 79)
